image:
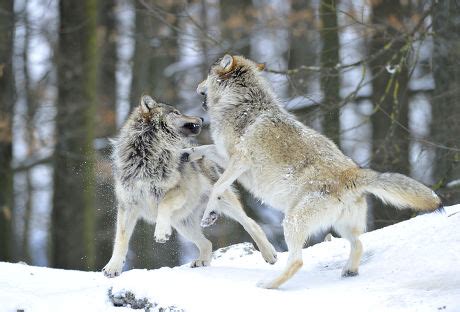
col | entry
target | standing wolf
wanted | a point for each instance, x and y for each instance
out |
(152, 182)
(290, 166)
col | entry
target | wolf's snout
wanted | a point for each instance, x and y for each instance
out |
(201, 89)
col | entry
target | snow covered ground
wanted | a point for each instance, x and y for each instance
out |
(411, 266)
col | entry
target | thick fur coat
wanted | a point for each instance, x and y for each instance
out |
(290, 166)
(154, 183)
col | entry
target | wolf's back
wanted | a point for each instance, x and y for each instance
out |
(400, 191)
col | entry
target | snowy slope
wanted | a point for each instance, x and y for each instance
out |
(411, 266)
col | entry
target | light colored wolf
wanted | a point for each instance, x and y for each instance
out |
(290, 166)
(154, 183)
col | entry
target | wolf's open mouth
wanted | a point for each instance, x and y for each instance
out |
(193, 127)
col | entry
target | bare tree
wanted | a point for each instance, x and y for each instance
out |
(330, 74)
(155, 49)
(73, 214)
(7, 100)
(105, 127)
(446, 109)
(390, 98)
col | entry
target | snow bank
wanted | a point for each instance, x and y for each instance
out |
(410, 266)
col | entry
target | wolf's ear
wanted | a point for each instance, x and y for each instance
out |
(147, 103)
(260, 66)
(227, 62)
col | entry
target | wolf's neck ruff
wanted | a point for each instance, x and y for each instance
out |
(138, 154)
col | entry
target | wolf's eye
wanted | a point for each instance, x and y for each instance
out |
(176, 112)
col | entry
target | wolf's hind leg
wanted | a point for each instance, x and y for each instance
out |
(350, 225)
(231, 206)
(191, 230)
(295, 234)
(126, 220)
(173, 200)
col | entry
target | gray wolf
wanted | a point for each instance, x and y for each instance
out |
(290, 166)
(152, 182)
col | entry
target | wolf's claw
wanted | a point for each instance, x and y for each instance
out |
(270, 258)
(185, 157)
(209, 220)
(199, 263)
(112, 269)
(162, 239)
(162, 233)
(190, 154)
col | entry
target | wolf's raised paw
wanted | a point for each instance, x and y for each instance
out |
(199, 263)
(185, 157)
(209, 220)
(348, 273)
(190, 154)
(162, 239)
(162, 233)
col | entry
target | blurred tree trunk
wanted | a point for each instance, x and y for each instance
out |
(155, 49)
(140, 73)
(31, 107)
(106, 81)
(329, 74)
(237, 20)
(446, 107)
(73, 215)
(390, 141)
(105, 127)
(7, 101)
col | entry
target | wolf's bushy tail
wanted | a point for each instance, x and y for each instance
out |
(400, 191)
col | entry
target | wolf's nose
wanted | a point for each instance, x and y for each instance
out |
(202, 119)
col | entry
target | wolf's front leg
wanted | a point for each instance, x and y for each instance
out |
(173, 200)
(235, 168)
(204, 151)
(126, 220)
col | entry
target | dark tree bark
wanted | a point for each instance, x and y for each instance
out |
(329, 74)
(155, 49)
(302, 52)
(105, 127)
(445, 102)
(106, 80)
(73, 214)
(390, 138)
(237, 20)
(31, 108)
(7, 101)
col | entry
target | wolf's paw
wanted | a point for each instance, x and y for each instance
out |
(200, 263)
(270, 256)
(349, 273)
(185, 157)
(190, 154)
(209, 220)
(112, 269)
(162, 233)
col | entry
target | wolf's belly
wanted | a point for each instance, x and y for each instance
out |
(270, 188)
